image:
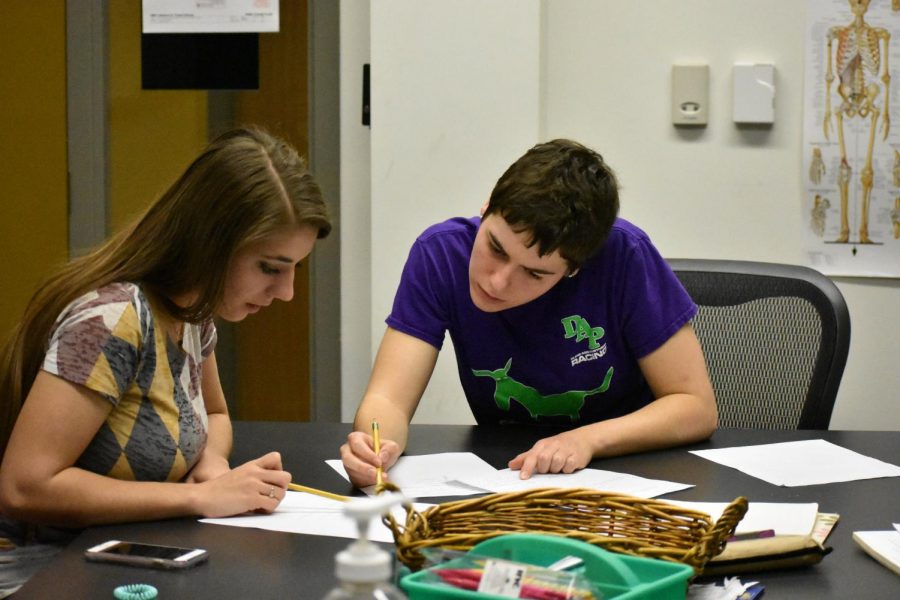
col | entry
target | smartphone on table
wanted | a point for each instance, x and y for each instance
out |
(146, 555)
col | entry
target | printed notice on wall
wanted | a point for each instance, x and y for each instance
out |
(851, 137)
(210, 16)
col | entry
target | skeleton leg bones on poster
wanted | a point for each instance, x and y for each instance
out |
(851, 147)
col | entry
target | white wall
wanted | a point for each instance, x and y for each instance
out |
(453, 98)
(356, 214)
(602, 74)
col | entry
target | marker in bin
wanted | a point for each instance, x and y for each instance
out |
(470, 579)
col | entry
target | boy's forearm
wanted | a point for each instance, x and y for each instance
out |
(393, 424)
(668, 421)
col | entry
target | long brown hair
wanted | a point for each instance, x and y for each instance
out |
(242, 187)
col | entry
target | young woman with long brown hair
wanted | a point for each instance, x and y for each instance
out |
(111, 408)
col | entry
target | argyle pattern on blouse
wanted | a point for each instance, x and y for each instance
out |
(113, 342)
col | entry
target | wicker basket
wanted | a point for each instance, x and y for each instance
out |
(636, 526)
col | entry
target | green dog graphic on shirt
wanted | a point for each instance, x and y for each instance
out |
(566, 403)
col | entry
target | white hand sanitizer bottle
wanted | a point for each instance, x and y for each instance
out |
(363, 570)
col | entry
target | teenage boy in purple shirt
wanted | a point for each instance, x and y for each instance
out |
(559, 312)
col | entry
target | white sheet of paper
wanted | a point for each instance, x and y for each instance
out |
(808, 462)
(425, 475)
(314, 515)
(507, 480)
(783, 518)
(897, 527)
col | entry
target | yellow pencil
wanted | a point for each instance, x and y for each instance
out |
(376, 440)
(302, 488)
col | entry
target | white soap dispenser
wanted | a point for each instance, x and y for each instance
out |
(363, 570)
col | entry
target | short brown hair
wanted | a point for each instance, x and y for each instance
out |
(563, 194)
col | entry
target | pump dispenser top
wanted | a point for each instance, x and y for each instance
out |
(364, 568)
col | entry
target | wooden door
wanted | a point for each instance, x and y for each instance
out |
(272, 359)
(33, 195)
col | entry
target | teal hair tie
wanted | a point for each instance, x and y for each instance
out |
(135, 591)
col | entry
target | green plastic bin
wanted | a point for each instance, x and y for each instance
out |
(618, 576)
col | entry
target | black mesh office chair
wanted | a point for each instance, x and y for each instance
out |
(775, 339)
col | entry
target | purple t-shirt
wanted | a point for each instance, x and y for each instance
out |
(567, 357)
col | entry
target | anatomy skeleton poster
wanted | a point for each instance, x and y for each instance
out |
(851, 143)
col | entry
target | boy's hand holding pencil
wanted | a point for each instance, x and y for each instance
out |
(367, 456)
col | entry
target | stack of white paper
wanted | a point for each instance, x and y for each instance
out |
(781, 518)
(883, 546)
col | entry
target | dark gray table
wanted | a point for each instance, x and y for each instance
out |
(247, 563)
